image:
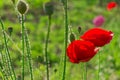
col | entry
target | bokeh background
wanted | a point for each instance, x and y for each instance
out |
(80, 13)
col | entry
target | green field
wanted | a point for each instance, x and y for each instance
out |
(80, 13)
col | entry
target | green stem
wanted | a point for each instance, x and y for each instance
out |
(46, 47)
(85, 71)
(98, 66)
(4, 62)
(2, 68)
(82, 71)
(7, 51)
(66, 37)
(28, 54)
(23, 44)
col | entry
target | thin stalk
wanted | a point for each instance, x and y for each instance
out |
(23, 44)
(98, 66)
(28, 54)
(85, 74)
(66, 38)
(82, 67)
(2, 67)
(46, 46)
(13, 42)
(7, 51)
(1, 70)
(3, 63)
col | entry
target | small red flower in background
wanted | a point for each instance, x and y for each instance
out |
(98, 21)
(81, 51)
(98, 36)
(111, 5)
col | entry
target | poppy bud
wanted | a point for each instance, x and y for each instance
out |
(19, 77)
(79, 29)
(10, 30)
(72, 37)
(48, 8)
(63, 1)
(13, 1)
(22, 7)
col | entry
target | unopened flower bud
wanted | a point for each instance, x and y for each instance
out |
(10, 30)
(22, 7)
(79, 29)
(72, 37)
(19, 77)
(49, 8)
(63, 1)
(13, 1)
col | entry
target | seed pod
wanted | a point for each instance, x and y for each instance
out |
(79, 29)
(22, 7)
(49, 8)
(10, 30)
(72, 37)
(19, 77)
(63, 1)
(13, 1)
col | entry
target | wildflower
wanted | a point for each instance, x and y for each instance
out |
(111, 5)
(98, 21)
(81, 51)
(99, 37)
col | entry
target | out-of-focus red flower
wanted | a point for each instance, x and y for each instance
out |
(99, 37)
(81, 51)
(111, 5)
(98, 21)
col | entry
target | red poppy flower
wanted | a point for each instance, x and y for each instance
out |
(98, 36)
(81, 51)
(111, 5)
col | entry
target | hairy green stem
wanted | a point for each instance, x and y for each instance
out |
(46, 46)
(28, 54)
(98, 66)
(2, 68)
(66, 37)
(23, 44)
(85, 73)
(7, 51)
(82, 67)
(13, 42)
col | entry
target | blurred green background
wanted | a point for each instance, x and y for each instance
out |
(80, 13)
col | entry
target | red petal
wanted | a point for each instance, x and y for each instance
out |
(111, 5)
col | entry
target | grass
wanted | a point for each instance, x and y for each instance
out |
(80, 14)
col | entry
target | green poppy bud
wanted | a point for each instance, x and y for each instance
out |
(79, 29)
(72, 37)
(22, 7)
(13, 1)
(10, 30)
(49, 8)
(63, 1)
